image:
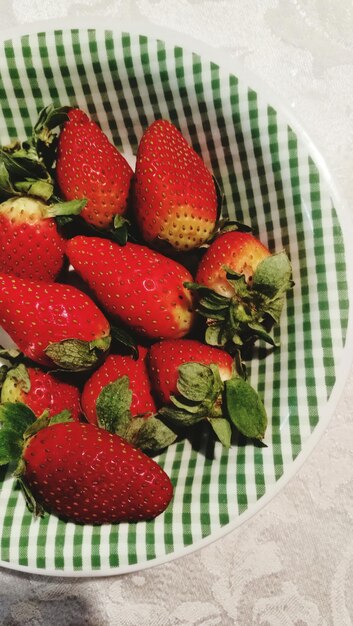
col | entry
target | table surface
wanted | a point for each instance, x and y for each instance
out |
(292, 563)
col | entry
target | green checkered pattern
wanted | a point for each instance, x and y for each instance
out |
(270, 181)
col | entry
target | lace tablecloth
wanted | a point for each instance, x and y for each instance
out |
(293, 562)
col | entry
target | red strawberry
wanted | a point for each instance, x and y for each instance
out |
(118, 398)
(89, 166)
(239, 251)
(241, 288)
(175, 199)
(115, 366)
(53, 323)
(84, 474)
(40, 391)
(30, 244)
(196, 382)
(165, 358)
(136, 285)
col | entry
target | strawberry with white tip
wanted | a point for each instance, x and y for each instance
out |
(174, 194)
(241, 289)
(31, 245)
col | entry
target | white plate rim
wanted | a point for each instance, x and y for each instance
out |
(252, 80)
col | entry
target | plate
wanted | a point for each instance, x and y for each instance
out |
(274, 180)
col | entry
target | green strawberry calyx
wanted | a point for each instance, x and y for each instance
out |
(253, 310)
(65, 209)
(77, 355)
(146, 431)
(201, 394)
(26, 168)
(18, 424)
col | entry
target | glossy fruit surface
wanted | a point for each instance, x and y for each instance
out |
(175, 198)
(240, 251)
(136, 285)
(45, 320)
(115, 366)
(165, 357)
(89, 166)
(41, 391)
(84, 474)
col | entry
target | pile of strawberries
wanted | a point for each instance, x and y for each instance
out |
(129, 302)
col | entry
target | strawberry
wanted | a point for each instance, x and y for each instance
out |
(237, 250)
(79, 472)
(174, 195)
(165, 357)
(241, 288)
(40, 391)
(30, 243)
(114, 367)
(89, 166)
(138, 286)
(53, 324)
(118, 397)
(196, 382)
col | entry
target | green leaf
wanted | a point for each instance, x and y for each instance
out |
(211, 298)
(250, 313)
(261, 333)
(245, 408)
(120, 230)
(194, 381)
(151, 434)
(50, 117)
(45, 420)
(214, 335)
(64, 209)
(122, 337)
(199, 395)
(31, 187)
(61, 418)
(17, 416)
(31, 503)
(6, 187)
(239, 284)
(179, 417)
(184, 404)
(113, 406)
(77, 355)
(41, 422)
(222, 429)
(10, 446)
(25, 167)
(272, 279)
(15, 419)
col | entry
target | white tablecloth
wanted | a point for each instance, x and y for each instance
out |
(291, 564)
